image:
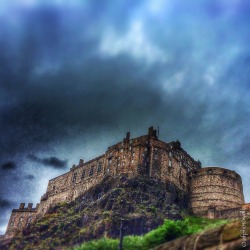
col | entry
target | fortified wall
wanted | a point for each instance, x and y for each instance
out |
(210, 189)
(214, 187)
(145, 155)
(20, 218)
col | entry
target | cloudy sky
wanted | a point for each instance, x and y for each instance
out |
(75, 77)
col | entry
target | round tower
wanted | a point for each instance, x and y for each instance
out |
(214, 187)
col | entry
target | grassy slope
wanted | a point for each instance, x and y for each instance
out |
(168, 231)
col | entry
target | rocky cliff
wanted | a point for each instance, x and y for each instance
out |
(142, 202)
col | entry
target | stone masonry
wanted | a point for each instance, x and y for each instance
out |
(209, 188)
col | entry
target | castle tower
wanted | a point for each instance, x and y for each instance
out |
(214, 188)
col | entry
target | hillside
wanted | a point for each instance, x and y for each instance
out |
(144, 203)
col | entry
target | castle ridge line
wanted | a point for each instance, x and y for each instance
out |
(149, 157)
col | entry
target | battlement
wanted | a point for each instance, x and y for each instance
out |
(29, 208)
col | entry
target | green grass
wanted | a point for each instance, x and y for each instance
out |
(170, 230)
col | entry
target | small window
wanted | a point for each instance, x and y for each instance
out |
(21, 219)
(83, 174)
(91, 171)
(180, 163)
(74, 177)
(130, 148)
(29, 219)
(99, 169)
(170, 163)
(132, 161)
(170, 154)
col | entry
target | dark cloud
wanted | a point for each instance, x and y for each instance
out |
(30, 177)
(77, 77)
(8, 165)
(50, 161)
(5, 203)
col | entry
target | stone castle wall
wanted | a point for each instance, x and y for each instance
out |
(214, 187)
(20, 218)
(145, 155)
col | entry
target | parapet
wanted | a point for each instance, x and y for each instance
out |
(29, 208)
(216, 171)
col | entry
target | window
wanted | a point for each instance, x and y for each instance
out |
(170, 163)
(83, 174)
(132, 161)
(29, 219)
(91, 171)
(130, 148)
(21, 219)
(180, 163)
(209, 171)
(170, 154)
(99, 168)
(74, 177)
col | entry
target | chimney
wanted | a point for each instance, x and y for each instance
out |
(30, 206)
(21, 205)
(127, 136)
(150, 131)
(81, 162)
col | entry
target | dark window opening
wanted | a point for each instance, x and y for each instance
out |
(91, 171)
(83, 174)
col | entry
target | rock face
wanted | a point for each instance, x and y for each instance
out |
(142, 202)
(228, 237)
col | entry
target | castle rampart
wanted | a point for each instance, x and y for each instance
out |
(213, 191)
(214, 187)
(145, 155)
(20, 218)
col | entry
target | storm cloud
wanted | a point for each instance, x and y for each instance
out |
(49, 161)
(8, 165)
(75, 77)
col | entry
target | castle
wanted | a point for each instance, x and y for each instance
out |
(213, 191)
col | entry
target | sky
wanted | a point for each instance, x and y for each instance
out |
(75, 76)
